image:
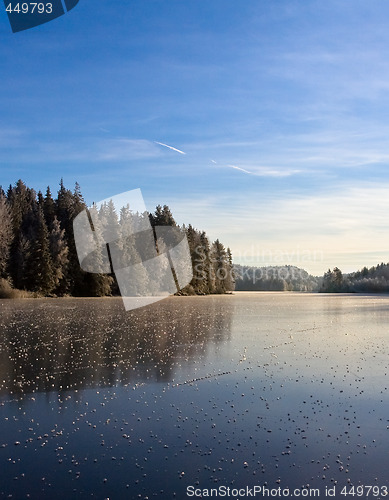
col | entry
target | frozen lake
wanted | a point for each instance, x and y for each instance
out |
(267, 389)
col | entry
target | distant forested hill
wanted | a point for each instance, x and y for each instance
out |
(373, 280)
(38, 253)
(275, 278)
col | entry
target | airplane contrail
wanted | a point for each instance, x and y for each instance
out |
(170, 147)
(241, 169)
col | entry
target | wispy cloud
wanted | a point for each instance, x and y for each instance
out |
(324, 146)
(239, 168)
(260, 171)
(347, 221)
(170, 147)
(275, 172)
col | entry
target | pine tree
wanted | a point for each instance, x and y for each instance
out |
(338, 279)
(332, 281)
(38, 253)
(106, 229)
(40, 273)
(130, 269)
(41, 200)
(23, 206)
(65, 208)
(199, 282)
(49, 208)
(98, 281)
(208, 275)
(21, 201)
(162, 217)
(6, 235)
(78, 200)
(59, 254)
(218, 253)
(230, 275)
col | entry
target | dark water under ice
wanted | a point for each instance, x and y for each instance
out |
(270, 389)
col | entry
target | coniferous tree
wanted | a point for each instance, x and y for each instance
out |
(59, 251)
(219, 258)
(40, 275)
(64, 211)
(38, 253)
(22, 203)
(135, 251)
(327, 281)
(21, 200)
(162, 217)
(49, 208)
(230, 276)
(278, 278)
(373, 280)
(98, 281)
(191, 237)
(5, 234)
(78, 200)
(40, 199)
(332, 281)
(108, 222)
(338, 278)
(199, 282)
(207, 268)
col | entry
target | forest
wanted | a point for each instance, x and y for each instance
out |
(38, 256)
(373, 280)
(292, 278)
(275, 278)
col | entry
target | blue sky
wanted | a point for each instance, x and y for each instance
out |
(281, 108)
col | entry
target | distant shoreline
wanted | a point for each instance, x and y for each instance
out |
(230, 294)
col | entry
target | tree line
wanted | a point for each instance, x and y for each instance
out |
(373, 280)
(275, 278)
(38, 252)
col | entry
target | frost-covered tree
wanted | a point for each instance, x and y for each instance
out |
(59, 252)
(220, 267)
(38, 252)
